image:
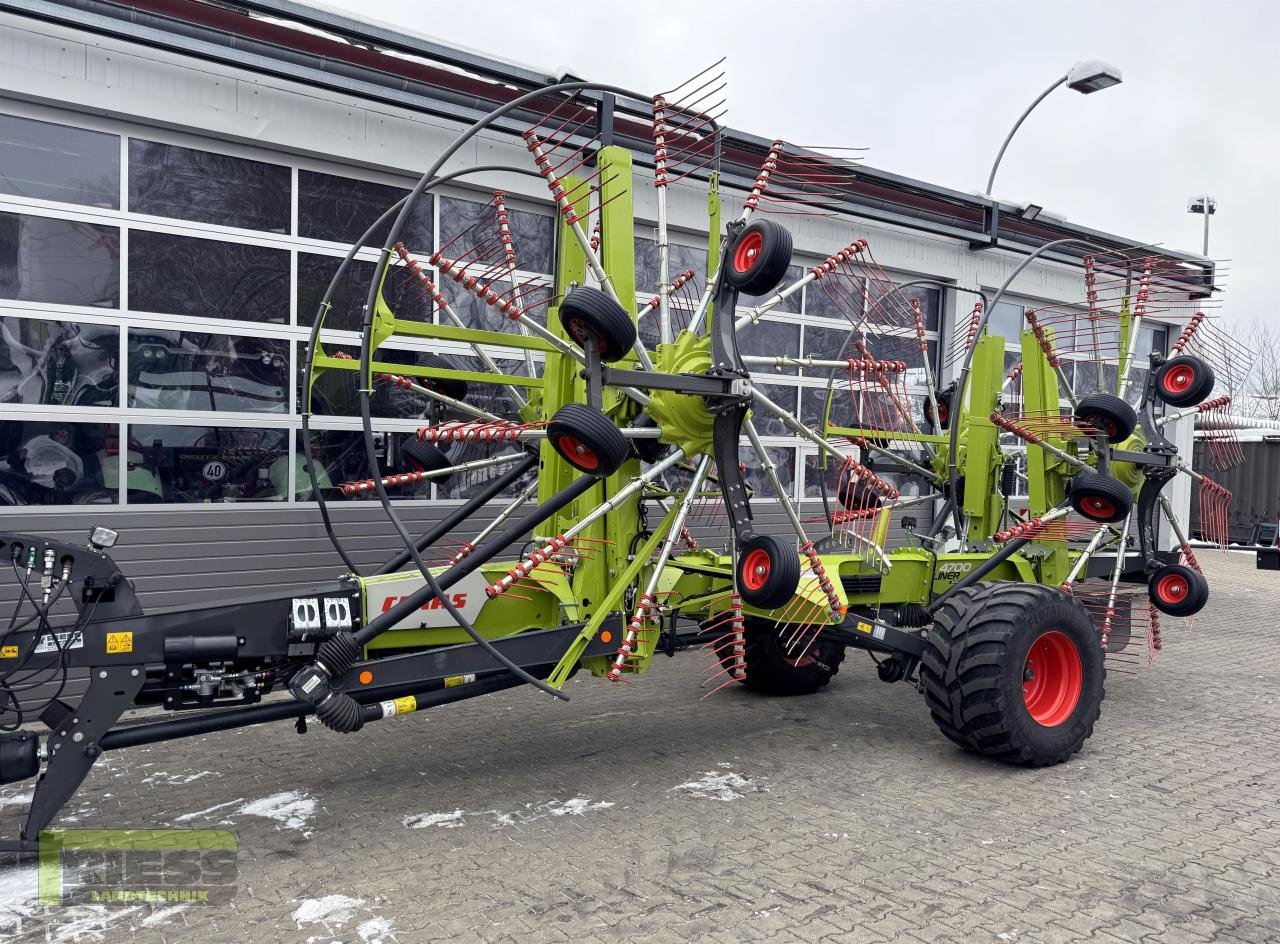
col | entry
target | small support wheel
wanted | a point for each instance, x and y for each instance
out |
(1100, 497)
(587, 439)
(944, 410)
(648, 450)
(1178, 590)
(773, 670)
(589, 316)
(1184, 381)
(1014, 671)
(768, 572)
(857, 495)
(759, 257)
(419, 456)
(455, 389)
(1108, 414)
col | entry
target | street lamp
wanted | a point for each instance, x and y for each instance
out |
(1084, 77)
(1208, 206)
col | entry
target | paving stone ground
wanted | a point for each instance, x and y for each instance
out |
(643, 813)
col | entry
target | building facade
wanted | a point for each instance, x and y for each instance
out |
(178, 183)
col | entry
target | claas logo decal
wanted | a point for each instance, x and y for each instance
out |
(459, 600)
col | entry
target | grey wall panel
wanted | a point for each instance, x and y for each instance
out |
(1254, 487)
(189, 557)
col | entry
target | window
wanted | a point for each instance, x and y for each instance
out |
(208, 278)
(897, 307)
(1006, 320)
(533, 235)
(58, 363)
(339, 456)
(45, 161)
(188, 370)
(789, 304)
(337, 391)
(407, 298)
(61, 262)
(57, 463)
(782, 457)
(191, 184)
(768, 338)
(835, 297)
(207, 464)
(340, 209)
(680, 257)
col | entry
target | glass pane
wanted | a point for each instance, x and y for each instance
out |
(897, 309)
(791, 303)
(829, 343)
(476, 313)
(340, 209)
(58, 463)
(207, 464)
(815, 474)
(183, 275)
(462, 485)
(782, 457)
(405, 295)
(61, 262)
(766, 421)
(467, 223)
(836, 296)
(190, 184)
(813, 401)
(1006, 320)
(189, 370)
(45, 161)
(58, 363)
(682, 257)
(336, 392)
(767, 338)
(340, 457)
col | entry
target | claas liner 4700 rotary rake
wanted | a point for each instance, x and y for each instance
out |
(613, 448)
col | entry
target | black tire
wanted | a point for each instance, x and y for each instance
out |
(648, 450)
(771, 671)
(1100, 497)
(857, 495)
(1178, 590)
(944, 410)
(589, 316)
(1108, 414)
(758, 259)
(984, 642)
(1184, 381)
(419, 456)
(457, 389)
(587, 439)
(768, 572)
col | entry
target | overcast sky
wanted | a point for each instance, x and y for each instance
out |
(932, 86)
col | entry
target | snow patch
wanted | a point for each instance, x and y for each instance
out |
(205, 812)
(723, 787)
(376, 931)
(22, 914)
(329, 910)
(163, 776)
(577, 806)
(291, 810)
(22, 799)
(446, 820)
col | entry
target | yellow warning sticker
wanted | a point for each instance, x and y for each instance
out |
(119, 642)
(8, 652)
(406, 705)
(453, 681)
(864, 627)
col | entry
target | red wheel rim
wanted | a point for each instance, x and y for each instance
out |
(1178, 379)
(1097, 508)
(747, 251)
(1172, 588)
(584, 335)
(1052, 679)
(944, 412)
(755, 569)
(577, 453)
(1103, 424)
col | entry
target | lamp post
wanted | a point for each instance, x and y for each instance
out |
(1084, 77)
(1208, 206)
